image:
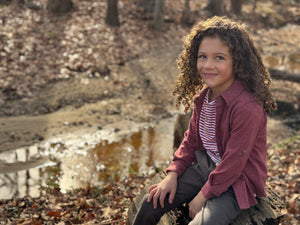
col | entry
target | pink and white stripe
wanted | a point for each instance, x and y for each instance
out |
(207, 128)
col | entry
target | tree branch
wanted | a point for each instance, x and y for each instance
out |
(284, 75)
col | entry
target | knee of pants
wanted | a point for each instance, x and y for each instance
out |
(147, 214)
(218, 211)
(146, 206)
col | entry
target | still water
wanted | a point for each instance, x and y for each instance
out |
(25, 171)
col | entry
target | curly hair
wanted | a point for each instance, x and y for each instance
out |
(247, 62)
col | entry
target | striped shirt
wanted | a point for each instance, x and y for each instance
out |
(207, 128)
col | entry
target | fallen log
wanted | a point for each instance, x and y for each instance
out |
(269, 210)
(283, 75)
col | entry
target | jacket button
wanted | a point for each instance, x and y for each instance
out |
(244, 152)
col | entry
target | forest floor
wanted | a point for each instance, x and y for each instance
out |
(74, 66)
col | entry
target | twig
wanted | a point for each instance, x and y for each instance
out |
(112, 222)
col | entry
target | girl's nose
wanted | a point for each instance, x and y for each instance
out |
(208, 64)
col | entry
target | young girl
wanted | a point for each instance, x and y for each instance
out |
(220, 166)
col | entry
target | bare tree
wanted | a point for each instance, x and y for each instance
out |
(112, 13)
(216, 7)
(147, 5)
(254, 6)
(186, 13)
(236, 6)
(59, 6)
(158, 15)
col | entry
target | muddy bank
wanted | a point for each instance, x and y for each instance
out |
(139, 91)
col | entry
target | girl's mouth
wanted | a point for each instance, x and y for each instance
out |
(209, 75)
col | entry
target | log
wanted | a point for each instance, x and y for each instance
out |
(269, 210)
(283, 75)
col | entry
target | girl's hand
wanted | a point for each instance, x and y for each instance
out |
(196, 204)
(160, 190)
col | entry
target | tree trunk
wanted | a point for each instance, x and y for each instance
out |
(181, 125)
(112, 14)
(147, 5)
(236, 6)
(267, 211)
(254, 6)
(186, 14)
(59, 6)
(216, 7)
(158, 15)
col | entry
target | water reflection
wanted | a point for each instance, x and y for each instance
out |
(22, 173)
(25, 171)
(140, 152)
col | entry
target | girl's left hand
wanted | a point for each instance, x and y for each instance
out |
(196, 204)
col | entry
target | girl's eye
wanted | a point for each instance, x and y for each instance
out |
(220, 58)
(201, 56)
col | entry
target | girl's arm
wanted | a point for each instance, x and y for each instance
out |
(196, 204)
(184, 155)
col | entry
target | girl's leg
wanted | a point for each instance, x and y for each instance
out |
(189, 184)
(218, 211)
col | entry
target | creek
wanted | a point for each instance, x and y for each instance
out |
(28, 171)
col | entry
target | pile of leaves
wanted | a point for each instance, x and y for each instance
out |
(37, 47)
(90, 205)
(284, 176)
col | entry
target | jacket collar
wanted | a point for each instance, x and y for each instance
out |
(228, 95)
(232, 92)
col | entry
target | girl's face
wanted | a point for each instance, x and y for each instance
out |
(214, 64)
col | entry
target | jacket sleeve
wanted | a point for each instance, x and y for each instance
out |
(245, 126)
(184, 155)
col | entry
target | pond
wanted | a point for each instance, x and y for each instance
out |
(27, 171)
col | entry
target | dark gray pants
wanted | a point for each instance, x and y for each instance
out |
(216, 211)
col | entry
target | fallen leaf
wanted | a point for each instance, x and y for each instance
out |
(54, 213)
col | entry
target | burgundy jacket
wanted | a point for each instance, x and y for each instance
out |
(241, 125)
